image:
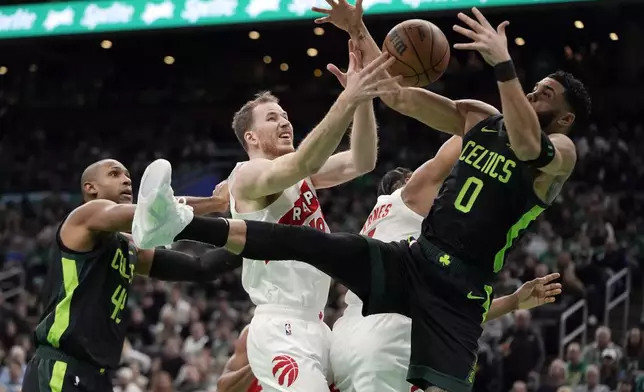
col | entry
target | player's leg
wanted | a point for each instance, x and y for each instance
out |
(447, 308)
(288, 355)
(47, 375)
(373, 353)
(349, 258)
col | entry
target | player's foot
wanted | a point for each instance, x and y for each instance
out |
(159, 216)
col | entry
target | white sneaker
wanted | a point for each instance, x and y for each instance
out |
(159, 216)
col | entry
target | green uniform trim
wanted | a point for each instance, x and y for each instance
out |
(62, 313)
(57, 376)
(513, 233)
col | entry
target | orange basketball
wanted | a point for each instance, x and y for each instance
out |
(421, 51)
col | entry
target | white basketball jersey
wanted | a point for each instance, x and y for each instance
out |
(287, 283)
(390, 220)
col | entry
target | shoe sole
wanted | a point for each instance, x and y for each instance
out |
(156, 174)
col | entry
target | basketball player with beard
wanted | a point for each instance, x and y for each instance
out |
(288, 342)
(372, 353)
(511, 167)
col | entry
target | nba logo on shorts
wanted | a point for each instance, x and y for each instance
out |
(287, 329)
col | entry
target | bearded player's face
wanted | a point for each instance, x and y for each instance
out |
(548, 100)
(272, 132)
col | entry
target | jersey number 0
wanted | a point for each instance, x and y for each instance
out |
(460, 203)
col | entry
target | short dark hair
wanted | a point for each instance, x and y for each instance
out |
(243, 119)
(575, 95)
(393, 180)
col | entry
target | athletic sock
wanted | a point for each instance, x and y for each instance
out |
(213, 231)
(271, 241)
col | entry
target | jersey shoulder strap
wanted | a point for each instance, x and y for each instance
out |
(490, 124)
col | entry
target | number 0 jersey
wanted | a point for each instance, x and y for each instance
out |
(84, 296)
(486, 202)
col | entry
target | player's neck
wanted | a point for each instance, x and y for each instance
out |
(259, 154)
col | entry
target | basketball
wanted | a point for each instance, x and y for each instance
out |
(421, 50)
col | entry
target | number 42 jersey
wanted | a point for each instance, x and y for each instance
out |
(486, 202)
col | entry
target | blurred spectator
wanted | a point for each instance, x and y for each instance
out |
(609, 370)
(576, 367)
(556, 377)
(592, 383)
(633, 359)
(593, 353)
(522, 350)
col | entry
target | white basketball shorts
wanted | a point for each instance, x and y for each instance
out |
(371, 354)
(288, 350)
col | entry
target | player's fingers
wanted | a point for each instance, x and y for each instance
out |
(335, 71)
(549, 300)
(381, 66)
(482, 19)
(466, 32)
(470, 46)
(322, 20)
(552, 293)
(552, 286)
(501, 28)
(474, 25)
(353, 61)
(550, 277)
(387, 83)
(321, 10)
(376, 62)
(359, 5)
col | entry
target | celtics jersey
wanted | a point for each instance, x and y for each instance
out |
(486, 202)
(84, 295)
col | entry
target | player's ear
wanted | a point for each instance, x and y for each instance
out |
(567, 119)
(90, 189)
(250, 138)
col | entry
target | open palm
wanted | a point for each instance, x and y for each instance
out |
(538, 292)
(342, 14)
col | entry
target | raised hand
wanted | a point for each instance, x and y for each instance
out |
(490, 42)
(342, 14)
(342, 76)
(364, 84)
(538, 292)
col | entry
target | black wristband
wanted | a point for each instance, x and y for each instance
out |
(505, 71)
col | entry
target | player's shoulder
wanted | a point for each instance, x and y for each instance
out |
(566, 147)
(476, 113)
(81, 213)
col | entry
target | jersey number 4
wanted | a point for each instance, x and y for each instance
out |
(119, 299)
(460, 203)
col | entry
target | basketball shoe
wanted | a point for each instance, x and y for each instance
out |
(159, 216)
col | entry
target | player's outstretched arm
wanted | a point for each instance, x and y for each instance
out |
(173, 266)
(534, 293)
(237, 376)
(260, 177)
(218, 202)
(421, 189)
(433, 110)
(520, 119)
(100, 215)
(363, 154)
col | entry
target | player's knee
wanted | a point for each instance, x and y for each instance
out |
(434, 389)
